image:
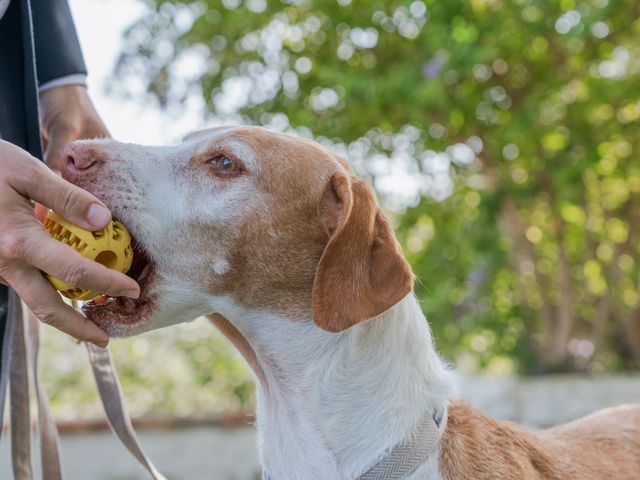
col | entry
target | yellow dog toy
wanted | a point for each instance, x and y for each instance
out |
(110, 246)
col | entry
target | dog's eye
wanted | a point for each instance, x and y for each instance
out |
(225, 165)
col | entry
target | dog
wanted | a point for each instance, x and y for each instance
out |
(276, 240)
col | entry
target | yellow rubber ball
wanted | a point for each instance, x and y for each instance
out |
(110, 246)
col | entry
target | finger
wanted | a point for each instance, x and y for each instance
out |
(66, 264)
(47, 305)
(69, 201)
(4, 282)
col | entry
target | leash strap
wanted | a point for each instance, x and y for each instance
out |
(5, 359)
(49, 448)
(23, 338)
(25, 344)
(19, 394)
(111, 396)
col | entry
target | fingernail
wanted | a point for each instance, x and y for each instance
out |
(133, 293)
(98, 216)
(101, 343)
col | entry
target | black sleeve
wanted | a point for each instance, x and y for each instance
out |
(57, 47)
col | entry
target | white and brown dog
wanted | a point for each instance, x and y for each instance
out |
(276, 240)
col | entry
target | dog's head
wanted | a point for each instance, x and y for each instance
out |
(242, 216)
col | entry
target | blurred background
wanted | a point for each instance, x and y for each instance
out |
(502, 138)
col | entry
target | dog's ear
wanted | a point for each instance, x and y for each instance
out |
(362, 271)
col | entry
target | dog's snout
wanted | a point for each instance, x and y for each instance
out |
(78, 157)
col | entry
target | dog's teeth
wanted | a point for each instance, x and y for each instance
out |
(100, 299)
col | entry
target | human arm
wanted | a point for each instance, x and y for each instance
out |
(66, 111)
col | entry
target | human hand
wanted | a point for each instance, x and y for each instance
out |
(26, 247)
(67, 114)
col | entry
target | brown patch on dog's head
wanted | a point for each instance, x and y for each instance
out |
(319, 244)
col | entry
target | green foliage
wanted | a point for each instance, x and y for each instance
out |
(503, 134)
(193, 371)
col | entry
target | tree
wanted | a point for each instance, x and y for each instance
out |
(504, 134)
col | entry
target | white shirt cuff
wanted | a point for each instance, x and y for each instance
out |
(75, 79)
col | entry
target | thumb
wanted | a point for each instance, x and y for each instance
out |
(69, 201)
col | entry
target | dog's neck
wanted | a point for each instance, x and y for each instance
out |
(330, 404)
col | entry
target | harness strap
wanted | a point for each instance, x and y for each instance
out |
(405, 458)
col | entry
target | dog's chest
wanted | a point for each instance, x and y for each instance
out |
(291, 448)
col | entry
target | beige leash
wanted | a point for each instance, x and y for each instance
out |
(19, 394)
(22, 328)
(111, 396)
(49, 449)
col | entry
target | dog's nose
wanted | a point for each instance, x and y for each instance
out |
(79, 157)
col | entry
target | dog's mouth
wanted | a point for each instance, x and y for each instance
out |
(105, 310)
